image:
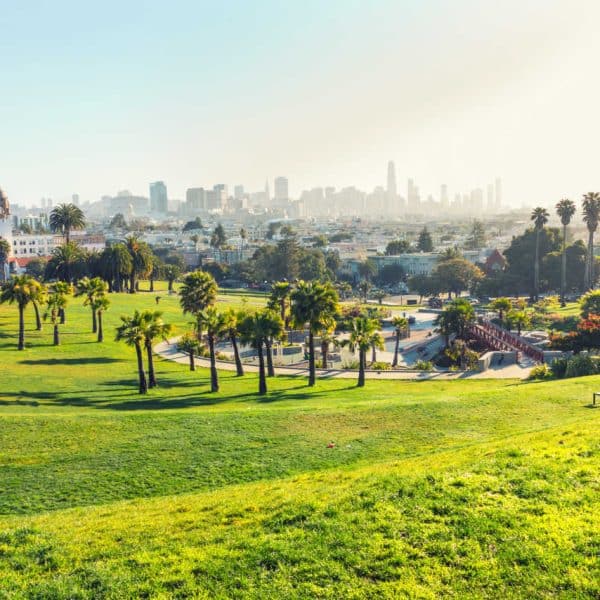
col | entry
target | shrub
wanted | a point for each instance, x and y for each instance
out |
(540, 372)
(380, 366)
(424, 365)
(559, 367)
(581, 365)
(351, 365)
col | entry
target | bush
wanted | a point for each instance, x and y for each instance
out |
(351, 365)
(424, 365)
(540, 372)
(581, 365)
(380, 366)
(559, 367)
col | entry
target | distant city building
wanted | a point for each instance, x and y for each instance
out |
(280, 189)
(391, 190)
(75, 199)
(159, 201)
(238, 192)
(195, 200)
(498, 193)
(444, 202)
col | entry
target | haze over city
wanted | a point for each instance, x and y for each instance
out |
(102, 98)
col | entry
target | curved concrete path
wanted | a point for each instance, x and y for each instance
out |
(168, 351)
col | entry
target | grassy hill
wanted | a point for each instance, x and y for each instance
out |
(432, 489)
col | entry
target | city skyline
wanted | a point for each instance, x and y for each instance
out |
(100, 99)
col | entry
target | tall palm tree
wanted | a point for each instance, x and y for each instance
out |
(131, 331)
(4, 253)
(197, 292)
(278, 300)
(19, 290)
(565, 209)
(231, 320)
(275, 330)
(141, 260)
(39, 294)
(66, 262)
(591, 217)
(101, 304)
(254, 330)
(115, 266)
(153, 327)
(215, 329)
(92, 289)
(62, 287)
(55, 301)
(315, 305)
(539, 216)
(66, 217)
(363, 335)
(171, 273)
(326, 339)
(400, 325)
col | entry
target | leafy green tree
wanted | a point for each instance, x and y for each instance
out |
(131, 331)
(218, 238)
(194, 225)
(400, 325)
(141, 260)
(115, 266)
(477, 238)
(19, 290)
(197, 292)
(65, 218)
(456, 275)
(118, 222)
(591, 217)
(91, 289)
(539, 216)
(455, 319)
(390, 274)
(565, 209)
(153, 327)
(363, 335)
(379, 295)
(367, 270)
(425, 243)
(396, 247)
(36, 267)
(4, 253)
(314, 304)
(501, 306)
(189, 344)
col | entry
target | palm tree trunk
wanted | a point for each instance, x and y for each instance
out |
(38, 321)
(132, 283)
(170, 287)
(214, 376)
(21, 345)
(591, 266)
(396, 349)
(324, 352)
(563, 271)
(56, 337)
(311, 359)
(143, 389)
(269, 348)
(236, 355)
(63, 316)
(373, 353)
(586, 278)
(94, 322)
(100, 330)
(151, 375)
(192, 361)
(362, 359)
(151, 284)
(262, 380)
(536, 266)
(68, 235)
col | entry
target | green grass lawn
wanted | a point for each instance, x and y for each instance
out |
(432, 489)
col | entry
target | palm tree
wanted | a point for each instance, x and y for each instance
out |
(39, 294)
(66, 262)
(400, 326)
(115, 266)
(364, 287)
(314, 304)
(275, 331)
(254, 330)
(215, 328)
(141, 260)
(189, 343)
(131, 331)
(171, 273)
(4, 252)
(363, 335)
(19, 290)
(539, 216)
(66, 217)
(197, 292)
(280, 294)
(100, 305)
(62, 287)
(92, 289)
(565, 209)
(591, 217)
(520, 319)
(153, 327)
(231, 320)
(326, 339)
(55, 302)
(502, 305)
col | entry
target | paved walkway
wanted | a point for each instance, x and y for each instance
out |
(168, 350)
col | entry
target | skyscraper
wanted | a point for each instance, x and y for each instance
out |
(392, 190)
(281, 189)
(158, 197)
(498, 190)
(444, 202)
(195, 200)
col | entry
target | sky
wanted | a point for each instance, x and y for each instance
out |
(103, 96)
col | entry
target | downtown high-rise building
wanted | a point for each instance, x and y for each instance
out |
(498, 193)
(280, 189)
(159, 201)
(392, 189)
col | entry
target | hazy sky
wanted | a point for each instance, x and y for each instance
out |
(101, 96)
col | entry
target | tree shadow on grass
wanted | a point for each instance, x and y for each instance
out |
(97, 360)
